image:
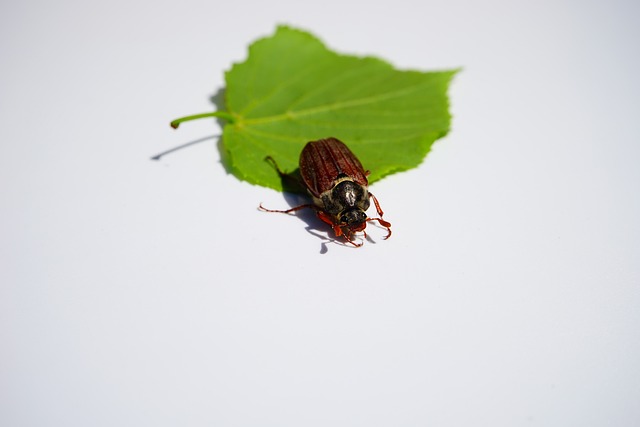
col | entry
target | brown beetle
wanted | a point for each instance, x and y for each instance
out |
(337, 183)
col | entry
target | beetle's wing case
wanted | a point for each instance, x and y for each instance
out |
(322, 162)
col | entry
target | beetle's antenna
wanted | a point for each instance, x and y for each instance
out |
(297, 208)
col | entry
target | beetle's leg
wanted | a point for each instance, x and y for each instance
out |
(382, 222)
(357, 245)
(337, 229)
(375, 202)
(297, 208)
(326, 218)
(385, 224)
(347, 237)
(275, 166)
(291, 182)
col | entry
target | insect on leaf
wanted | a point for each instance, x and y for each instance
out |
(291, 89)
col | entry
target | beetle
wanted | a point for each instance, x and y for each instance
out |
(337, 183)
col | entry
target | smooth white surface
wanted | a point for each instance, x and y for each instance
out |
(137, 292)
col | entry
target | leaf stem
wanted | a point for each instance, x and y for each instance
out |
(220, 114)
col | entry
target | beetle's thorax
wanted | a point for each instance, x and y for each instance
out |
(344, 195)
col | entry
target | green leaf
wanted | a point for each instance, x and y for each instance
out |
(292, 89)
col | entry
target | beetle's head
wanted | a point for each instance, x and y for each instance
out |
(355, 219)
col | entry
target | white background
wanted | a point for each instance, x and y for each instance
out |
(137, 292)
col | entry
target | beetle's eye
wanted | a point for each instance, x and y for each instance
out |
(354, 217)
